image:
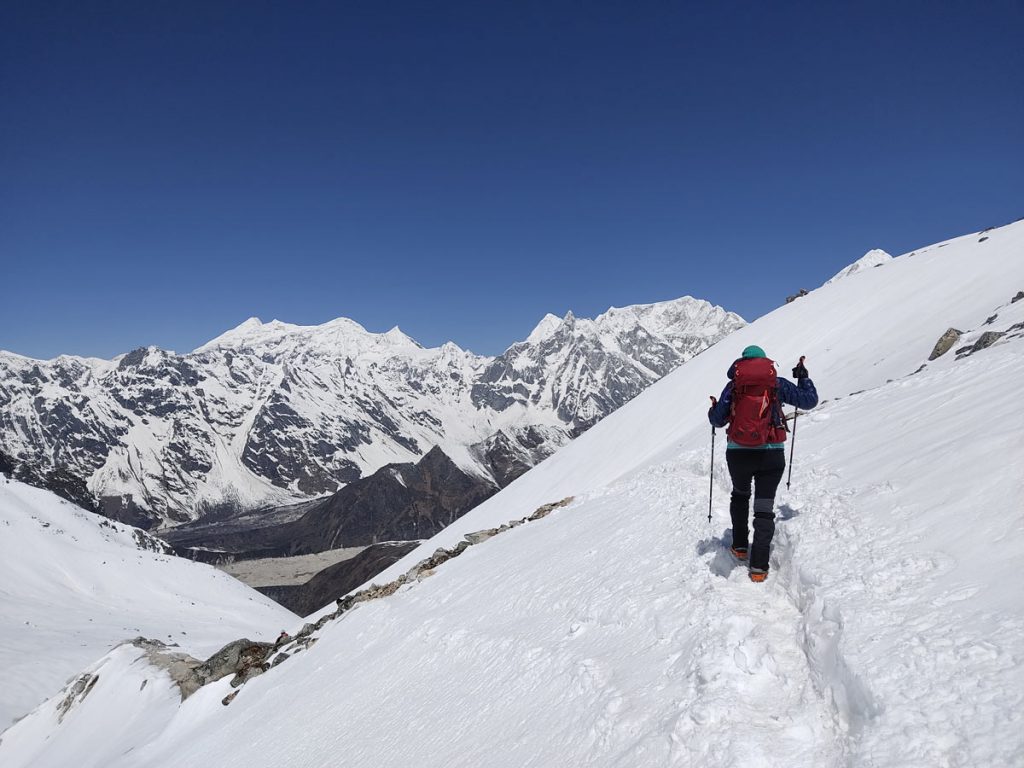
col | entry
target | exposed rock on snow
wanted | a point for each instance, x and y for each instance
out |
(179, 666)
(945, 343)
(242, 660)
(75, 693)
(985, 341)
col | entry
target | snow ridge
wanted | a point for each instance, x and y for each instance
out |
(871, 259)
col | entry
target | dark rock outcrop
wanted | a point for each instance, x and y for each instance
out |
(6, 465)
(57, 479)
(986, 340)
(124, 509)
(400, 502)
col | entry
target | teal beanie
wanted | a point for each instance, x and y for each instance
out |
(754, 351)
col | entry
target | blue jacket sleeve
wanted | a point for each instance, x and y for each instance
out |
(718, 414)
(803, 395)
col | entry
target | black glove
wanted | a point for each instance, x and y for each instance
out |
(800, 371)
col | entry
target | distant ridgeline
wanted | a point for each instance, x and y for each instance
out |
(271, 414)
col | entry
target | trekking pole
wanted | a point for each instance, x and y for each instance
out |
(792, 447)
(711, 488)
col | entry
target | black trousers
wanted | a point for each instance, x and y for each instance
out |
(763, 468)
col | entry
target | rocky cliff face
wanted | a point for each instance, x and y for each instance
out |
(54, 478)
(271, 414)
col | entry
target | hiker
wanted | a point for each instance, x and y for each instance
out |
(751, 404)
(283, 638)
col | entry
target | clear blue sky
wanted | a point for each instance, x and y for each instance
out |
(168, 169)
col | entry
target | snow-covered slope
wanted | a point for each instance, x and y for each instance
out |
(616, 631)
(273, 413)
(73, 584)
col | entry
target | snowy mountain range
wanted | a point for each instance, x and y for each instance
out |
(590, 614)
(269, 414)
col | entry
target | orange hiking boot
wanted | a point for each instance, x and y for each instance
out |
(740, 553)
(758, 575)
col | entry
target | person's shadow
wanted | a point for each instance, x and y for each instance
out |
(786, 512)
(722, 562)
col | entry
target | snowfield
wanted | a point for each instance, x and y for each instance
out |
(74, 584)
(618, 632)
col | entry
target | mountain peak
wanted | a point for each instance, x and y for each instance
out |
(254, 331)
(251, 324)
(244, 330)
(873, 258)
(545, 328)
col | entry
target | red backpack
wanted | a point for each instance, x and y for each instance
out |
(755, 404)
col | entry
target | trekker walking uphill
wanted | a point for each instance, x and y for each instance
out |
(751, 404)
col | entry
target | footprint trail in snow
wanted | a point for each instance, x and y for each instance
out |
(738, 683)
